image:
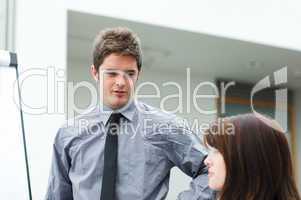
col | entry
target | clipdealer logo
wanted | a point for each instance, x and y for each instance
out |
(56, 85)
(280, 79)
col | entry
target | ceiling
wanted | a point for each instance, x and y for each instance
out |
(170, 50)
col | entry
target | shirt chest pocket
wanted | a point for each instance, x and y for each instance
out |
(153, 155)
(87, 159)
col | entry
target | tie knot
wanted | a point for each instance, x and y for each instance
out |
(115, 118)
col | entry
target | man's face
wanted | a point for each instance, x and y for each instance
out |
(117, 77)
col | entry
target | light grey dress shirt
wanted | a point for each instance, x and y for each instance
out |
(150, 143)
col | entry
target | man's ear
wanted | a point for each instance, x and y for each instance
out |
(94, 72)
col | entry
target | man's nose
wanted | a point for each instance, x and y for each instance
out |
(120, 80)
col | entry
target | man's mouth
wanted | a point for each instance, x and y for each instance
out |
(119, 92)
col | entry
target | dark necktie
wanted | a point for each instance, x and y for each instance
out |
(110, 158)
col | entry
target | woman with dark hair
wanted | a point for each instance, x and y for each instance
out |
(249, 159)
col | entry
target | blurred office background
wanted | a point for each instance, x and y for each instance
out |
(233, 40)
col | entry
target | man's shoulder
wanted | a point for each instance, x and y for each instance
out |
(159, 116)
(160, 127)
(152, 112)
(77, 127)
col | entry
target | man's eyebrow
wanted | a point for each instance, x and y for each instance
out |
(130, 70)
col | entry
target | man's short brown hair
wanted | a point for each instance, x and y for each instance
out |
(120, 40)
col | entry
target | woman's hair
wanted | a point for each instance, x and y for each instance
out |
(257, 158)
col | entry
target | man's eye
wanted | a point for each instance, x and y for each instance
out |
(131, 73)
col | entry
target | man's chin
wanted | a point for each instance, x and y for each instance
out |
(119, 105)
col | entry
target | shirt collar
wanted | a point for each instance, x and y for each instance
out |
(128, 111)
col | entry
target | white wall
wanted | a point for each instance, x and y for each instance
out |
(40, 42)
(274, 22)
(13, 168)
(2, 23)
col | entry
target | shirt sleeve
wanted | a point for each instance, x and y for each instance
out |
(199, 190)
(59, 184)
(185, 150)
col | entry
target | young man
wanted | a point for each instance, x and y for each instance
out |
(129, 148)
